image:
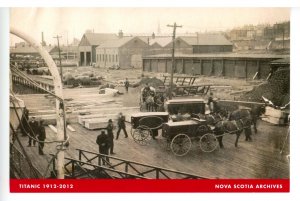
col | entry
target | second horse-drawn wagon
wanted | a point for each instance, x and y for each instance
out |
(181, 135)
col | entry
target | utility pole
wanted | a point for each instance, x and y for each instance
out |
(282, 36)
(173, 59)
(61, 73)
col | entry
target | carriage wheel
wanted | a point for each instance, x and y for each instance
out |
(142, 135)
(208, 142)
(181, 144)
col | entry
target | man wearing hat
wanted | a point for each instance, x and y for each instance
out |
(33, 130)
(121, 124)
(110, 135)
(103, 143)
(41, 137)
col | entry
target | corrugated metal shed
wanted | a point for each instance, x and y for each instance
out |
(218, 55)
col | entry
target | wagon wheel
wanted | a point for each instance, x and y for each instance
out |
(208, 142)
(142, 135)
(181, 144)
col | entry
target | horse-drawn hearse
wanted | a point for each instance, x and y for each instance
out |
(197, 127)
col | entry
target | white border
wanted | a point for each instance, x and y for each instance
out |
(152, 3)
(295, 100)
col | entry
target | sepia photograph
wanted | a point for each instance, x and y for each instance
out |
(149, 93)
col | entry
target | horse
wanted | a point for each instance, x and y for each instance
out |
(252, 114)
(150, 104)
(158, 103)
(234, 127)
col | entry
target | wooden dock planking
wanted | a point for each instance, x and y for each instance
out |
(257, 159)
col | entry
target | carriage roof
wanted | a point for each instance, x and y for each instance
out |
(181, 101)
(141, 114)
(182, 123)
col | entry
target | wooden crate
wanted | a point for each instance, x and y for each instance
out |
(275, 120)
(272, 112)
(93, 124)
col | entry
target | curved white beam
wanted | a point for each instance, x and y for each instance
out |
(57, 90)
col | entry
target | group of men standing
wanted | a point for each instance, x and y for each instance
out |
(34, 130)
(105, 140)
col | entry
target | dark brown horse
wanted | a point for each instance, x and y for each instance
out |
(234, 127)
(252, 114)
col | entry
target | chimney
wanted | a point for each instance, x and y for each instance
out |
(153, 35)
(43, 43)
(120, 34)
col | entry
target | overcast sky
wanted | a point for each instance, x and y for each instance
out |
(73, 22)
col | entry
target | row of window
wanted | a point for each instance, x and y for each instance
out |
(107, 57)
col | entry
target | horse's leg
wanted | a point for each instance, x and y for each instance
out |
(254, 125)
(237, 139)
(220, 140)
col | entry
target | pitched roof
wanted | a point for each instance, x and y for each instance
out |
(162, 41)
(115, 43)
(98, 38)
(219, 55)
(206, 39)
(118, 42)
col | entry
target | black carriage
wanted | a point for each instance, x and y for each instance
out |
(180, 136)
(146, 124)
(186, 107)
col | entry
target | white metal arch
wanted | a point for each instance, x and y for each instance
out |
(57, 90)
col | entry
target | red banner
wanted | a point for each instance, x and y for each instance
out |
(141, 185)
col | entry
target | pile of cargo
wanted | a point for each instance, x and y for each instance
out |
(86, 79)
(277, 89)
(151, 81)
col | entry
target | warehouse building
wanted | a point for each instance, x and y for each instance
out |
(124, 52)
(201, 43)
(88, 44)
(224, 64)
